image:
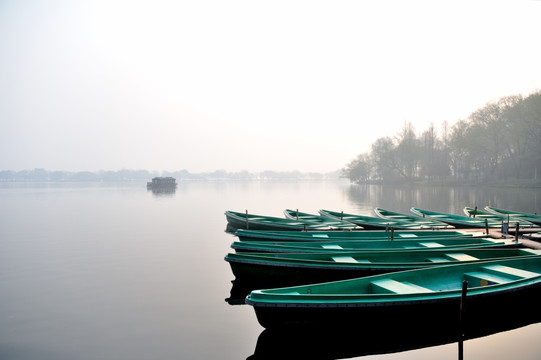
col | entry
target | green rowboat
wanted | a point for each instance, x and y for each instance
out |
(372, 245)
(430, 296)
(238, 220)
(372, 222)
(481, 214)
(458, 221)
(414, 219)
(533, 218)
(316, 235)
(295, 269)
(318, 219)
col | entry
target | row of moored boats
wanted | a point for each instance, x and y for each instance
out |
(335, 268)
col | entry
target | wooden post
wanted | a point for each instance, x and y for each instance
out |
(516, 232)
(475, 212)
(297, 214)
(247, 223)
(392, 234)
(461, 320)
(486, 226)
(342, 215)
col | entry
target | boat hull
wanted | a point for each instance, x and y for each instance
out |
(423, 295)
(430, 313)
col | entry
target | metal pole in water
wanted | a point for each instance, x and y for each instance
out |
(516, 232)
(486, 226)
(247, 223)
(342, 215)
(297, 214)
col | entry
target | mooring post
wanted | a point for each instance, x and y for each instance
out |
(247, 223)
(461, 320)
(297, 214)
(342, 215)
(516, 232)
(392, 234)
(486, 226)
(475, 212)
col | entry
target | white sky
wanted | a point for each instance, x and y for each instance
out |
(247, 85)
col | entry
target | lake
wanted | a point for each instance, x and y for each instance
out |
(113, 271)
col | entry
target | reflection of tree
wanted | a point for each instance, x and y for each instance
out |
(500, 140)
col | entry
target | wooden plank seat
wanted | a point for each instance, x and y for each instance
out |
(397, 287)
(438, 259)
(461, 257)
(510, 272)
(431, 244)
(344, 259)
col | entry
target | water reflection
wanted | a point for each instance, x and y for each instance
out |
(163, 191)
(364, 339)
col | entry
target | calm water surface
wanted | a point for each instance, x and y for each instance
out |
(115, 272)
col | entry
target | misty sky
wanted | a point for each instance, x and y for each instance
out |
(247, 85)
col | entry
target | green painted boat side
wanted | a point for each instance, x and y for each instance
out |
(315, 235)
(421, 221)
(238, 220)
(372, 245)
(458, 221)
(476, 213)
(533, 218)
(317, 219)
(427, 295)
(372, 222)
(285, 269)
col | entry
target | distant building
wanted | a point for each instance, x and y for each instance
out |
(162, 182)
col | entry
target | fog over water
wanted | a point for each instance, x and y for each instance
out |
(242, 85)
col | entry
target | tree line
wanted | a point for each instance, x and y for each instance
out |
(500, 142)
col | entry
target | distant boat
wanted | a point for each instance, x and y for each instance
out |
(533, 218)
(414, 219)
(429, 296)
(162, 183)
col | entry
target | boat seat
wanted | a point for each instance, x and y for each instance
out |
(332, 247)
(344, 259)
(461, 257)
(392, 286)
(438, 259)
(510, 271)
(431, 244)
(478, 278)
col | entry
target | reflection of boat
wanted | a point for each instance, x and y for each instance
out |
(315, 235)
(317, 219)
(414, 219)
(374, 245)
(355, 339)
(373, 222)
(430, 295)
(261, 222)
(457, 221)
(295, 269)
(481, 214)
(533, 218)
